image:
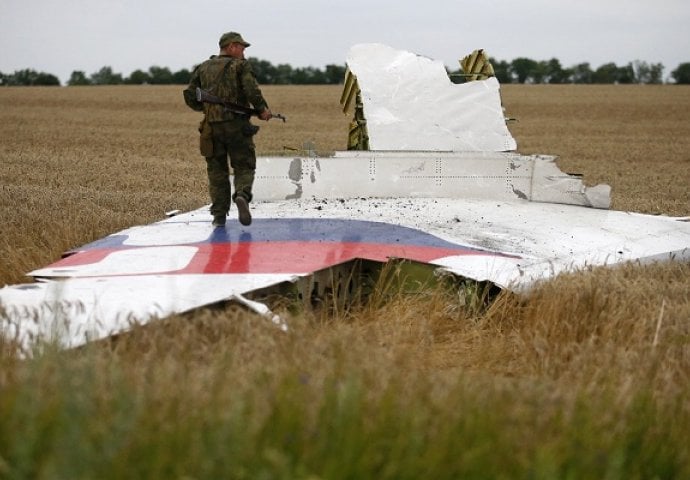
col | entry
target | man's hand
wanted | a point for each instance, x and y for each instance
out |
(266, 114)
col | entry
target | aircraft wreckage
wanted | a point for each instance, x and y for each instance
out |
(432, 178)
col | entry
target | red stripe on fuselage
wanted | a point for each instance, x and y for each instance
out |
(300, 257)
(277, 257)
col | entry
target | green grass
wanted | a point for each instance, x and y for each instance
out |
(588, 377)
(172, 424)
(225, 394)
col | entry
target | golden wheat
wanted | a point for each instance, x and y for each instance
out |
(80, 163)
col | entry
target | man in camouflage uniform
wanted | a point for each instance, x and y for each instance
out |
(225, 133)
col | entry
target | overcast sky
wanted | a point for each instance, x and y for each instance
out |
(60, 36)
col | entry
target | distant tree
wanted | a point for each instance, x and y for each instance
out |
(606, 73)
(681, 74)
(648, 73)
(540, 72)
(656, 73)
(181, 77)
(77, 78)
(47, 79)
(308, 76)
(581, 73)
(523, 69)
(502, 71)
(3, 79)
(626, 74)
(642, 71)
(335, 74)
(24, 77)
(555, 72)
(263, 71)
(105, 76)
(138, 77)
(29, 77)
(160, 75)
(283, 74)
(520, 70)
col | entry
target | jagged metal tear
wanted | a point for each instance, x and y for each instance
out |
(410, 104)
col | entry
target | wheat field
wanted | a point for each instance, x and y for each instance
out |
(587, 377)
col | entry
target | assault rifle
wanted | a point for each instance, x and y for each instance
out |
(203, 96)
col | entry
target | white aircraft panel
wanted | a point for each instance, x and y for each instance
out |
(411, 104)
(77, 310)
(355, 174)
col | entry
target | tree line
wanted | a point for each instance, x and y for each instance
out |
(526, 70)
(519, 70)
(266, 74)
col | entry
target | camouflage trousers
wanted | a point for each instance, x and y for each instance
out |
(229, 140)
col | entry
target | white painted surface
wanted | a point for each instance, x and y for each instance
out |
(547, 238)
(550, 238)
(77, 310)
(461, 175)
(411, 104)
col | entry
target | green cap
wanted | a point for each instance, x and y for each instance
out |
(231, 37)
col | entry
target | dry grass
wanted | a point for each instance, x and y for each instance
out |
(79, 163)
(586, 377)
(635, 138)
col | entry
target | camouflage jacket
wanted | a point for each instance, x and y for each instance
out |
(229, 78)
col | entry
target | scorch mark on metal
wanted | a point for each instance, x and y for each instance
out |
(295, 176)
